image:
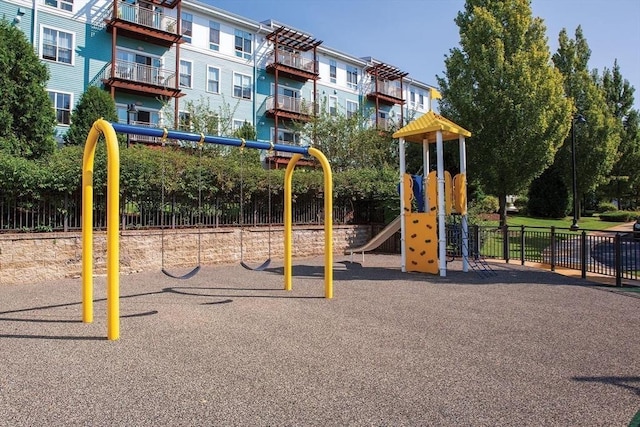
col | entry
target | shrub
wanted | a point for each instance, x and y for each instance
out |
(619, 216)
(606, 207)
(486, 205)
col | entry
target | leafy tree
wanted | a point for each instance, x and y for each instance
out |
(500, 85)
(625, 175)
(348, 141)
(94, 104)
(596, 140)
(27, 119)
(548, 195)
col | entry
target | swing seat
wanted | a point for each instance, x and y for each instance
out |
(189, 275)
(258, 268)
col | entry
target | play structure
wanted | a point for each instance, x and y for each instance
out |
(425, 201)
(113, 195)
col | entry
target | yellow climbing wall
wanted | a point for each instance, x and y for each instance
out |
(432, 193)
(421, 241)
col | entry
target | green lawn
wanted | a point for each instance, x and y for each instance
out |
(592, 223)
(535, 244)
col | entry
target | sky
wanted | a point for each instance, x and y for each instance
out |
(416, 35)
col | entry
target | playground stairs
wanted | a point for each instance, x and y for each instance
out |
(476, 261)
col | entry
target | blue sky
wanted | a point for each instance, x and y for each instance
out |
(415, 35)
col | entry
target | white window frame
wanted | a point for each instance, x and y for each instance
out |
(190, 74)
(66, 5)
(187, 33)
(351, 71)
(333, 66)
(209, 68)
(332, 104)
(237, 124)
(241, 86)
(55, 106)
(355, 105)
(214, 26)
(187, 116)
(245, 36)
(57, 47)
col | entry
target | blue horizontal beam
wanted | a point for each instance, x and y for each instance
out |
(208, 139)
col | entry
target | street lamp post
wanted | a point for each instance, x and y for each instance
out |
(131, 109)
(576, 206)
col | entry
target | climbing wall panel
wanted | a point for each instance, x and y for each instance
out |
(460, 193)
(421, 243)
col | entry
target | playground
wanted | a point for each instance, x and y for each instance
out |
(231, 347)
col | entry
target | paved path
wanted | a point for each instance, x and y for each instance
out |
(523, 348)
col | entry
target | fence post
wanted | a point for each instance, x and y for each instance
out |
(65, 218)
(553, 248)
(583, 254)
(618, 259)
(505, 242)
(522, 243)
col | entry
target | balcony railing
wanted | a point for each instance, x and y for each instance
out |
(143, 138)
(386, 88)
(147, 17)
(293, 60)
(141, 73)
(291, 104)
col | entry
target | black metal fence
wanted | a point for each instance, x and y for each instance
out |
(64, 213)
(614, 254)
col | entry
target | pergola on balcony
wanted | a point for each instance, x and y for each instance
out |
(142, 21)
(141, 79)
(386, 84)
(286, 58)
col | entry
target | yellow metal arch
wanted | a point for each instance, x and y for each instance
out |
(113, 250)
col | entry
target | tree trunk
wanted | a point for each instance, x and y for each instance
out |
(502, 210)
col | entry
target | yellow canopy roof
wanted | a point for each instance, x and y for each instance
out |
(426, 127)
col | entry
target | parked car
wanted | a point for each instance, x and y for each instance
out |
(636, 229)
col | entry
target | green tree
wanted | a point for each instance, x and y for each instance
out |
(348, 141)
(94, 104)
(27, 119)
(596, 140)
(625, 175)
(500, 85)
(548, 195)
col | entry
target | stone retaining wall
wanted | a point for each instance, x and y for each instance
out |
(41, 257)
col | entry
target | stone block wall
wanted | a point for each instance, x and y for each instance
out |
(50, 256)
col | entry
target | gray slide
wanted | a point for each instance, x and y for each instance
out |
(392, 228)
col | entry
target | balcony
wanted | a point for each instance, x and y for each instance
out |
(141, 79)
(143, 139)
(143, 23)
(292, 65)
(290, 108)
(386, 92)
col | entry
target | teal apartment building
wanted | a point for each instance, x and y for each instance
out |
(154, 57)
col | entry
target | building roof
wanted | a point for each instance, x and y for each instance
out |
(426, 128)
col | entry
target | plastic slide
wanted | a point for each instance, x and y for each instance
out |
(380, 238)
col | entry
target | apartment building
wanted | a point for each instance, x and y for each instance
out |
(156, 56)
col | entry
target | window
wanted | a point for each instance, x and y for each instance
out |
(237, 124)
(184, 121)
(286, 136)
(352, 77)
(187, 26)
(214, 35)
(213, 80)
(243, 44)
(412, 98)
(62, 4)
(241, 86)
(333, 105)
(62, 105)
(57, 45)
(185, 73)
(421, 101)
(333, 66)
(352, 108)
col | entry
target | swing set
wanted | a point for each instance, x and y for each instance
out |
(103, 127)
